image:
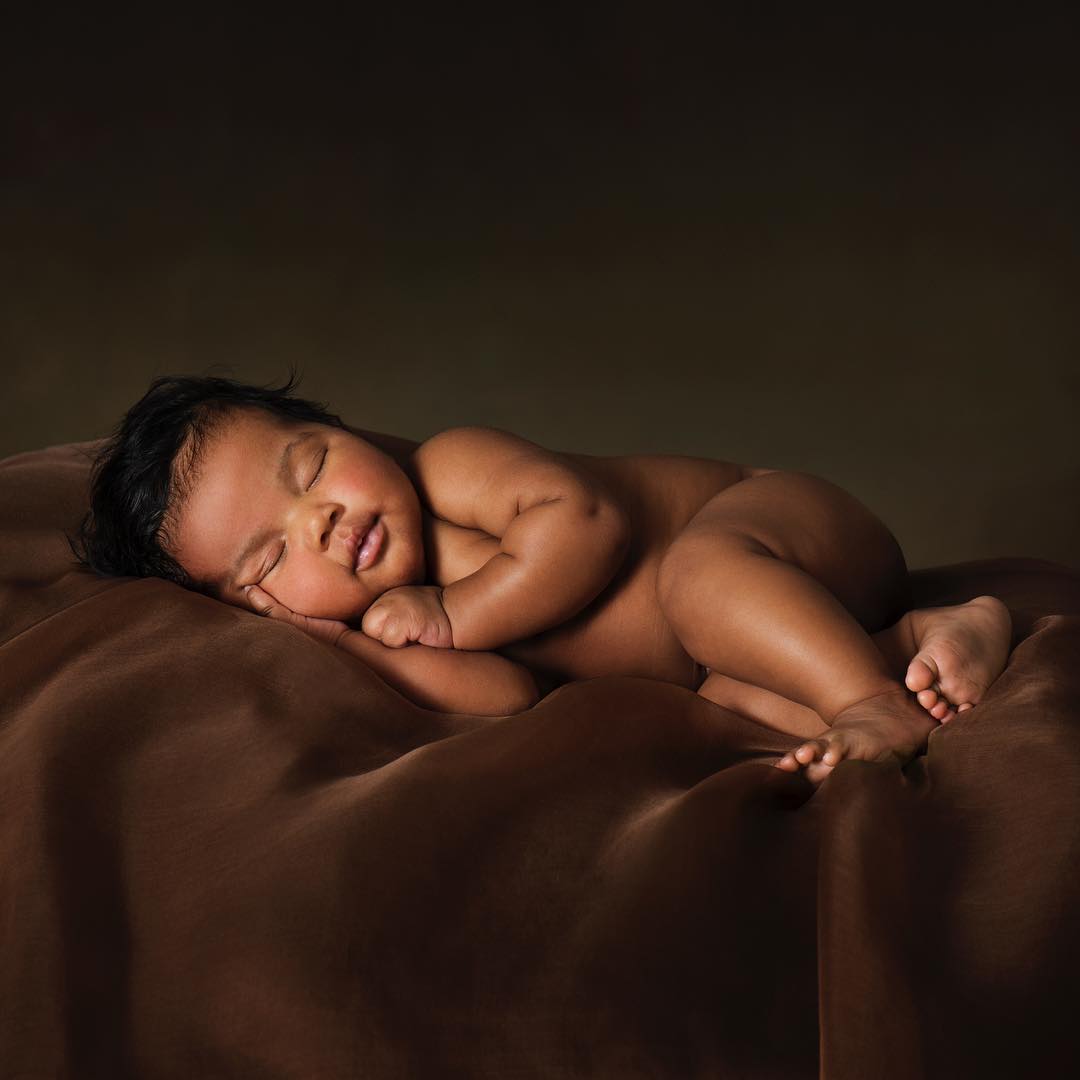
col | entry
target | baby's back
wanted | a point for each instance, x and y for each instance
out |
(622, 632)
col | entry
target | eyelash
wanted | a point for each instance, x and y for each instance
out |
(315, 480)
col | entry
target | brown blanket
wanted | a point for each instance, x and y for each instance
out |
(228, 850)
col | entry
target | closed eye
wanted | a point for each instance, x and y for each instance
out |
(284, 547)
(322, 465)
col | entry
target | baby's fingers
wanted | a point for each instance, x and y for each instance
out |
(374, 621)
(261, 603)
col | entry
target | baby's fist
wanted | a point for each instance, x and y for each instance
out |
(409, 613)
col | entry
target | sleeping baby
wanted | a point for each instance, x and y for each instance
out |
(477, 571)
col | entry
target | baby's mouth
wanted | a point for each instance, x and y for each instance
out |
(353, 540)
(369, 545)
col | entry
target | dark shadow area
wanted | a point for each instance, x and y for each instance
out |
(844, 247)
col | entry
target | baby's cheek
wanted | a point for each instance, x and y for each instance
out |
(317, 595)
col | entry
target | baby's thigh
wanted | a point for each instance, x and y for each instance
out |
(795, 517)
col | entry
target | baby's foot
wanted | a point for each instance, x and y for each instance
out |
(884, 726)
(961, 651)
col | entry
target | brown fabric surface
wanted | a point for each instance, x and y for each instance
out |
(227, 850)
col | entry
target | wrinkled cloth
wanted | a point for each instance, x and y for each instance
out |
(230, 850)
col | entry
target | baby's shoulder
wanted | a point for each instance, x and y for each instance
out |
(483, 477)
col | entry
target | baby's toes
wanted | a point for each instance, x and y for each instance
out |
(952, 714)
(815, 759)
(816, 771)
(927, 698)
(802, 755)
(921, 674)
(835, 753)
(811, 751)
(835, 749)
(795, 759)
(940, 710)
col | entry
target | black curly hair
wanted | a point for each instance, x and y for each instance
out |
(141, 475)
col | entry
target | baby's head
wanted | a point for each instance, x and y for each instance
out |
(216, 485)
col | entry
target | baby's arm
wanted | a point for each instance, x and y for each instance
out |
(446, 680)
(562, 536)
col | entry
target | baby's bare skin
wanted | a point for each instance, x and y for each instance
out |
(955, 654)
(624, 631)
(671, 564)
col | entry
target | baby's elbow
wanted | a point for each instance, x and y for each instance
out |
(529, 692)
(519, 696)
(501, 687)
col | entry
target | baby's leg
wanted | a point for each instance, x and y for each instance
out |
(962, 649)
(779, 581)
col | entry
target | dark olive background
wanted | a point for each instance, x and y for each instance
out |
(795, 241)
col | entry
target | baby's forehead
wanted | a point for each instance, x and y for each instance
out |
(242, 429)
(235, 442)
(250, 423)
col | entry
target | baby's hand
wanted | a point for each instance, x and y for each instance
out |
(263, 603)
(409, 613)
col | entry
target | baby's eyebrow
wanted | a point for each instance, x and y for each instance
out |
(284, 475)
